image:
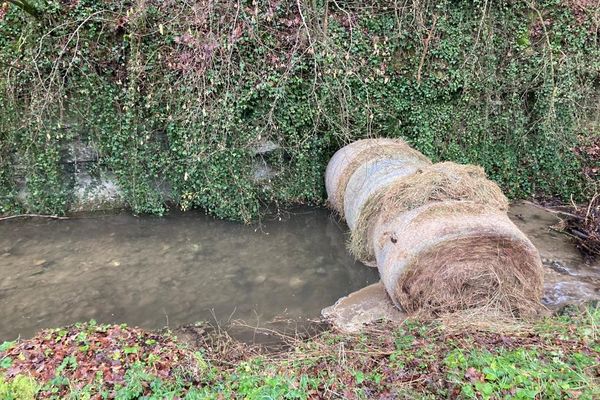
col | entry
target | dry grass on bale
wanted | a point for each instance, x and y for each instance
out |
(383, 150)
(485, 319)
(439, 182)
(481, 272)
(439, 211)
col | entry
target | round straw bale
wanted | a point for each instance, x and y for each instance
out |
(455, 255)
(346, 160)
(373, 176)
(339, 161)
(435, 183)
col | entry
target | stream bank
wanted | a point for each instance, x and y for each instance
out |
(553, 358)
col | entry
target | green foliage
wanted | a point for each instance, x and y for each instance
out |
(539, 371)
(176, 96)
(415, 360)
(20, 388)
(522, 374)
(252, 381)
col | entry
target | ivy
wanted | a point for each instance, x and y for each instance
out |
(175, 97)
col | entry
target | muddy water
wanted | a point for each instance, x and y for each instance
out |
(183, 268)
(175, 270)
(568, 278)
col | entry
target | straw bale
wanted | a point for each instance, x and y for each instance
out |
(449, 256)
(344, 162)
(435, 183)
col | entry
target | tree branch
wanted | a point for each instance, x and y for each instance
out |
(32, 216)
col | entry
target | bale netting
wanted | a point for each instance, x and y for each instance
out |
(373, 176)
(454, 255)
(435, 183)
(347, 160)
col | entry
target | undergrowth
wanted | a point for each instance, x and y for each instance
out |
(554, 358)
(176, 96)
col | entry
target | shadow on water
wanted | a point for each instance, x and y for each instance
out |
(153, 272)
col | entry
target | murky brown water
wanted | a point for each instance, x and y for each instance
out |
(184, 268)
(568, 278)
(174, 270)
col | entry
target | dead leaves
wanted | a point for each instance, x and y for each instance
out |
(87, 353)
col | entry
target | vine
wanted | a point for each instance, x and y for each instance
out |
(177, 96)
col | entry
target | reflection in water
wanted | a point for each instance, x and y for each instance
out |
(174, 270)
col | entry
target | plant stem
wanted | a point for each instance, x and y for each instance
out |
(27, 7)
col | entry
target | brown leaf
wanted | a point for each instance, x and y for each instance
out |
(473, 375)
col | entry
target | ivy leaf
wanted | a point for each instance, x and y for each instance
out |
(6, 363)
(6, 346)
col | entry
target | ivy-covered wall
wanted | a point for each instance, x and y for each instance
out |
(174, 98)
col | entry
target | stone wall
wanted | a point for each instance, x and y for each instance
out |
(96, 188)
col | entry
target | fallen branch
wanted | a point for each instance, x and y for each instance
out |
(426, 48)
(553, 211)
(32, 216)
(584, 227)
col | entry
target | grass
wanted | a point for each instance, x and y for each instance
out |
(554, 358)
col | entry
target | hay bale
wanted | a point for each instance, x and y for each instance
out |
(339, 162)
(435, 183)
(455, 255)
(372, 177)
(346, 160)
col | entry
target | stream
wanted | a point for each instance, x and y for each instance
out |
(186, 267)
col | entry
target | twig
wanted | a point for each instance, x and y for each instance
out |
(589, 209)
(581, 240)
(11, 66)
(426, 48)
(549, 45)
(32, 216)
(553, 211)
(478, 37)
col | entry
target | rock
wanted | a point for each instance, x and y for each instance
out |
(96, 193)
(265, 147)
(349, 314)
(260, 279)
(296, 282)
(115, 263)
(78, 152)
(557, 266)
(39, 263)
(262, 172)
